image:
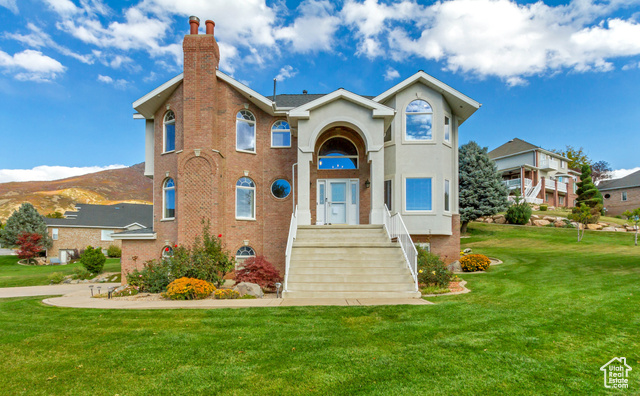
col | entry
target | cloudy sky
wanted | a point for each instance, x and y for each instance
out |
(552, 73)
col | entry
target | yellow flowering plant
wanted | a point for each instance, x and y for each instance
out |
(431, 270)
(474, 262)
(226, 294)
(189, 289)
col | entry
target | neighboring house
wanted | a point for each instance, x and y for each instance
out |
(620, 195)
(542, 176)
(93, 225)
(221, 152)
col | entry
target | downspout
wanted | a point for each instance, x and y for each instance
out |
(293, 186)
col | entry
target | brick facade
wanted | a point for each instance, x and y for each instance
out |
(79, 238)
(445, 246)
(615, 205)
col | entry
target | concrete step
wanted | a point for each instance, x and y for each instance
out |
(351, 287)
(362, 263)
(343, 237)
(399, 277)
(344, 252)
(346, 245)
(355, 295)
(320, 269)
(341, 227)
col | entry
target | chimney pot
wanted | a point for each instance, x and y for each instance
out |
(210, 25)
(304, 91)
(194, 22)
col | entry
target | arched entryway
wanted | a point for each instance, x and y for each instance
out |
(340, 178)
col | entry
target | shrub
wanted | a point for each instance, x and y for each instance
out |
(248, 297)
(127, 291)
(189, 289)
(30, 245)
(81, 273)
(259, 270)
(55, 278)
(74, 256)
(93, 260)
(114, 251)
(226, 294)
(475, 262)
(154, 277)
(431, 270)
(519, 212)
(544, 208)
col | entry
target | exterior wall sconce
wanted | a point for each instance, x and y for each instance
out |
(367, 184)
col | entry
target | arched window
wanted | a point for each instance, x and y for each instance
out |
(244, 253)
(169, 199)
(245, 131)
(418, 125)
(245, 199)
(338, 153)
(280, 134)
(167, 252)
(169, 131)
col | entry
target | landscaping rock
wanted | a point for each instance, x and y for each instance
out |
(454, 267)
(551, 208)
(594, 227)
(608, 229)
(549, 218)
(559, 223)
(252, 289)
(500, 220)
(621, 229)
(535, 217)
(467, 251)
(541, 223)
(488, 220)
(630, 229)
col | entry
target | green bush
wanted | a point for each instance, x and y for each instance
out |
(93, 260)
(544, 208)
(56, 278)
(519, 212)
(431, 270)
(154, 277)
(81, 273)
(114, 251)
(127, 291)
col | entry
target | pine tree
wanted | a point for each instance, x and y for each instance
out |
(588, 194)
(25, 220)
(482, 192)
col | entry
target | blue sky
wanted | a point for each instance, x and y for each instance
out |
(552, 73)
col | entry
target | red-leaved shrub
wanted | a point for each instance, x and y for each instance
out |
(259, 270)
(30, 245)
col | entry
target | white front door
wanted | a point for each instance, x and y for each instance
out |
(63, 257)
(337, 201)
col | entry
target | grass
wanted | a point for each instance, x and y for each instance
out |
(12, 274)
(541, 323)
(566, 213)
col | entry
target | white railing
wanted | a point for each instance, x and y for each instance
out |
(562, 187)
(549, 164)
(532, 196)
(550, 184)
(293, 231)
(398, 231)
(517, 183)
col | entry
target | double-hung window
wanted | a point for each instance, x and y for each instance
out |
(245, 131)
(245, 199)
(280, 134)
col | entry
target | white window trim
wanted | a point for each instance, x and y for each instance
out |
(255, 140)
(357, 156)
(404, 123)
(394, 204)
(164, 132)
(444, 131)
(164, 197)
(404, 195)
(444, 200)
(54, 234)
(281, 130)
(254, 201)
(102, 237)
(623, 196)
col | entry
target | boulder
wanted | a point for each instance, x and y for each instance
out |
(608, 229)
(454, 267)
(541, 223)
(498, 216)
(549, 218)
(632, 228)
(252, 289)
(535, 217)
(594, 227)
(467, 250)
(488, 220)
(500, 220)
(551, 208)
(621, 229)
(559, 223)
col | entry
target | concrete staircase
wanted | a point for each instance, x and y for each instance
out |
(340, 261)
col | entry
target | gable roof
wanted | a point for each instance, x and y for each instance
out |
(513, 146)
(379, 110)
(461, 105)
(106, 216)
(632, 180)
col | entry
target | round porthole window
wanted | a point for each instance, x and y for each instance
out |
(280, 188)
(607, 196)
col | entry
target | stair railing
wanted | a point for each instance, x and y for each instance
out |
(293, 230)
(397, 231)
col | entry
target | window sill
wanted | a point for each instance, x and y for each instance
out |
(246, 152)
(419, 142)
(448, 144)
(418, 213)
(391, 143)
(280, 147)
(168, 219)
(245, 219)
(168, 152)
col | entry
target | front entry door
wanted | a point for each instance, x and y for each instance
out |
(337, 201)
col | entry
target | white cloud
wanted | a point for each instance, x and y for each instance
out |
(46, 173)
(631, 66)
(63, 7)
(312, 31)
(618, 173)
(10, 4)
(391, 74)
(287, 71)
(38, 39)
(31, 65)
(118, 83)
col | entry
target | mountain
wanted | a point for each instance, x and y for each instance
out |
(113, 186)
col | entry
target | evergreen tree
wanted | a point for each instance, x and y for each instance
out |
(25, 220)
(482, 192)
(588, 194)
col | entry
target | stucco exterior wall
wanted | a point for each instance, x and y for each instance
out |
(516, 160)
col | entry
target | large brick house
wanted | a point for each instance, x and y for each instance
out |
(264, 169)
(540, 175)
(620, 195)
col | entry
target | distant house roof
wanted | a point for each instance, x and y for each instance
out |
(106, 216)
(632, 180)
(513, 146)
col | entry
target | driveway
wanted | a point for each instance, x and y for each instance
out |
(52, 290)
(7, 252)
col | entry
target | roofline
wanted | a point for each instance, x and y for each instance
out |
(379, 110)
(617, 188)
(511, 155)
(134, 236)
(135, 223)
(526, 151)
(266, 103)
(156, 91)
(81, 226)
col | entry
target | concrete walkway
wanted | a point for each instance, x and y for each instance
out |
(52, 290)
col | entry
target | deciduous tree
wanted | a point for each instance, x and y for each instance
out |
(600, 170)
(30, 245)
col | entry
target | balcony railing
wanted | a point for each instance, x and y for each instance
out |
(549, 164)
(516, 183)
(551, 185)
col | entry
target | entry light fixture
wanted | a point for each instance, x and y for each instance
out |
(367, 184)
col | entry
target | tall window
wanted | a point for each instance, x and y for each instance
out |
(169, 199)
(245, 131)
(54, 234)
(418, 125)
(447, 194)
(169, 132)
(280, 134)
(624, 195)
(338, 153)
(447, 129)
(245, 199)
(418, 194)
(388, 194)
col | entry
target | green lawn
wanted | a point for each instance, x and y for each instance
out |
(541, 323)
(567, 212)
(12, 274)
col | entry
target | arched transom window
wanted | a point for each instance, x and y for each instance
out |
(245, 131)
(169, 199)
(338, 153)
(244, 253)
(245, 199)
(169, 131)
(418, 126)
(280, 134)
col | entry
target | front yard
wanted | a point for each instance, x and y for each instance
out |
(541, 323)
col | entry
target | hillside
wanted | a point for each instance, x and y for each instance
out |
(107, 187)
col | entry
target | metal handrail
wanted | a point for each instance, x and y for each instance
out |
(293, 230)
(396, 229)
